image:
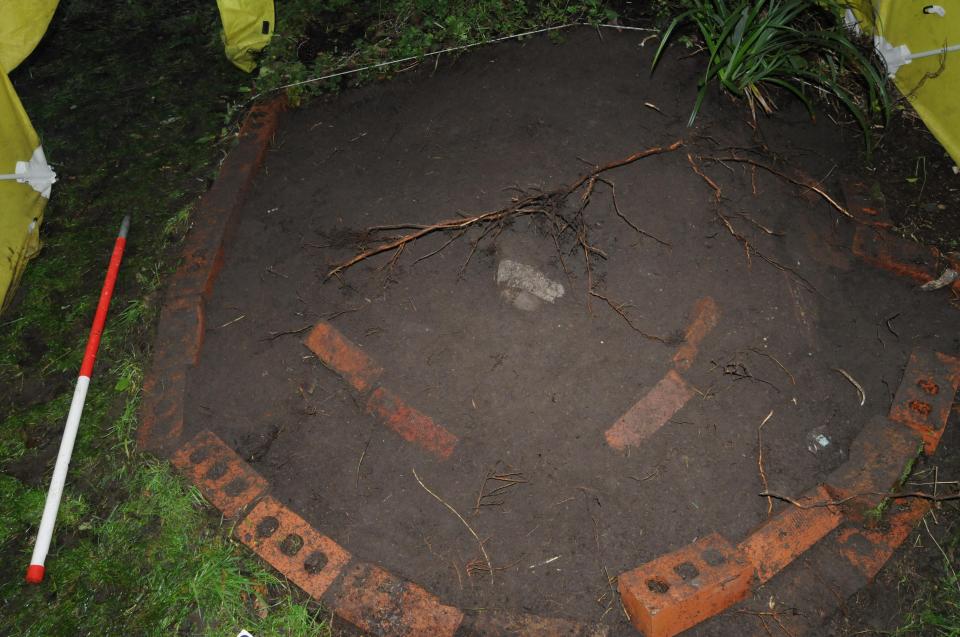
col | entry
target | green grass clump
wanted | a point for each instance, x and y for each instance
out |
(798, 46)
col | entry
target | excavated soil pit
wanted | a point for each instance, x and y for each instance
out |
(506, 383)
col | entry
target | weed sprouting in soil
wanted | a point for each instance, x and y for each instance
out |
(798, 46)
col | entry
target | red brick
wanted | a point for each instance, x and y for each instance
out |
(876, 460)
(681, 589)
(378, 602)
(868, 550)
(161, 411)
(926, 395)
(884, 250)
(787, 535)
(651, 412)
(496, 623)
(704, 319)
(343, 357)
(180, 330)
(229, 483)
(288, 543)
(410, 424)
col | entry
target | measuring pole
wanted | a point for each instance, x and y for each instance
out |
(45, 533)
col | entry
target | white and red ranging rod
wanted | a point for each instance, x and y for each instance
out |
(49, 519)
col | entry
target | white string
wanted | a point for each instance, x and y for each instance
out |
(462, 47)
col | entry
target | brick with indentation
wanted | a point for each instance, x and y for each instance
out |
(381, 603)
(288, 543)
(785, 536)
(346, 359)
(926, 394)
(704, 319)
(651, 412)
(679, 590)
(497, 623)
(869, 549)
(229, 483)
(410, 424)
(875, 463)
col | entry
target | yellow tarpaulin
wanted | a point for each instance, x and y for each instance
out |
(22, 24)
(915, 39)
(21, 206)
(247, 27)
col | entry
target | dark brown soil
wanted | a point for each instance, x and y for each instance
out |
(534, 392)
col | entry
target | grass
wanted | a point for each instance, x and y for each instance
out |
(133, 102)
(319, 37)
(136, 104)
(797, 46)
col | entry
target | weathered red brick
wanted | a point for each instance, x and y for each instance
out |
(343, 357)
(651, 412)
(229, 483)
(679, 590)
(704, 319)
(869, 549)
(926, 394)
(410, 424)
(381, 603)
(288, 543)
(498, 623)
(788, 534)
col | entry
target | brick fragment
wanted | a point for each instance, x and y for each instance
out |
(410, 424)
(161, 410)
(180, 331)
(877, 458)
(651, 412)
(889, 252)
(679, 590)
(704, 319)
(496, 623)
(288, 543)
(926, 394)
(788, 534)
(868, 550)
(343, 357)
(229, 483)
(381, 603)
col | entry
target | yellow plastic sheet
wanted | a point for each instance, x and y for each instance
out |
(22, 24)
(21, 207)
(930, 83)
(247, 27)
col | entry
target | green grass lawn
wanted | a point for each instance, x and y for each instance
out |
(136, 104)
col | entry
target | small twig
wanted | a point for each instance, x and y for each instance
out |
(763, 474)
(616, 208)
(333, 315)
(802, 183)
(239, 318)
(793, 381)
(274, 335)
(460, 517)
(890, 327)
(846, 374)
(618, 308)
(767, 230)
(892, 496)
(360, 462)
